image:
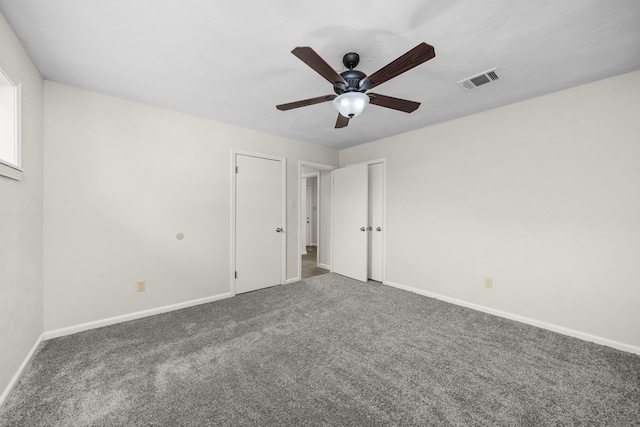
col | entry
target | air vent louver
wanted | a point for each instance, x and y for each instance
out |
(479, 79)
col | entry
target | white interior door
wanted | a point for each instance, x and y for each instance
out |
(375, 221)
(350, 194)
(303, 226)
(259, 213)
(309, 217)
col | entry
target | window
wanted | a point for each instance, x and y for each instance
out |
(9, 128)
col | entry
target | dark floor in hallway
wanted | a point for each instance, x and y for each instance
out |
(310, 263)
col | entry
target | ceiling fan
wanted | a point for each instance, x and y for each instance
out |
(350, 86)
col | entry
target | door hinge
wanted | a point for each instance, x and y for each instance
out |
(236, 274)
(236, 169)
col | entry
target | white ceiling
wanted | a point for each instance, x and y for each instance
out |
(230, 61)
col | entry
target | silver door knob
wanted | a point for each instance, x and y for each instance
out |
(279, 230)
(362, 229)
(379, 229)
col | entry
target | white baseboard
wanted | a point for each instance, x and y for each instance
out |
(522, 319)
(27, 360)
(292, 280)
(131, 316)
(313, 244)
(325, 266)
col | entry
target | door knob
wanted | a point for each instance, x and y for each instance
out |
(279, 230)
(379, 229)
(362, 229)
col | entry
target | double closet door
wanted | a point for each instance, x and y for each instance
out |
(357, 221)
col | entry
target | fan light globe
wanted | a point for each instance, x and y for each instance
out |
(351, 104)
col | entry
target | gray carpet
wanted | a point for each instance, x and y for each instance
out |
(325, 351)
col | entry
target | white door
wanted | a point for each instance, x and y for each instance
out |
(309, 217)
(350, 194)
(375, 221)
(303, 226)
(259, 213)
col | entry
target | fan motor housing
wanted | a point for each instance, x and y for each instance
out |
(353, 78)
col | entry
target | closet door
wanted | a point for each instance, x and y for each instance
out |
(350, 215)
(375, 221)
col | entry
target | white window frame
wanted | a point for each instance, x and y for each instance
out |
(7, 169)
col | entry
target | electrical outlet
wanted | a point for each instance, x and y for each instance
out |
(142, 285)
(488, 282)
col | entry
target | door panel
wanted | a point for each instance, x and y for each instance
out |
(303, 226)
(350, 194)
(375, 221)
(309, 218)
(258, 216)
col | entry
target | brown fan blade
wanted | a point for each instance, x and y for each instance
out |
(394, 103)
(313, 60)
(305, 102)
(416, 56)
(342, 121)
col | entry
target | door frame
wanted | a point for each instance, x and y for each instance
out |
(283, 195)
(319, 167)
(382, 160)
(315, 175)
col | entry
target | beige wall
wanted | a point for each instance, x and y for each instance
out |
(122, 179)
(21, 219)
(542, 196)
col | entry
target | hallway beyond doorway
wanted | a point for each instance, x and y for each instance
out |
(310, 264)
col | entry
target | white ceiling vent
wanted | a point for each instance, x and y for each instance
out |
(479, 79)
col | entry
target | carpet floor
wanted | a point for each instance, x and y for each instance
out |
(325, 351)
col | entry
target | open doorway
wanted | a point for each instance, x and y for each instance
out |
(314, 213)
(310, 223)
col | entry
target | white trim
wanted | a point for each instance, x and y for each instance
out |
(318, 210)
(10, 171)
(132, 316)
(384, 219)
(19, 127)
(7, 168)
(232, 228)
(522, 319)
(306, 176)
(319, 167)
(366, 162)
(333, 205)
(23, 366)
(292, 280)
(285, 227)
(325, 266)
